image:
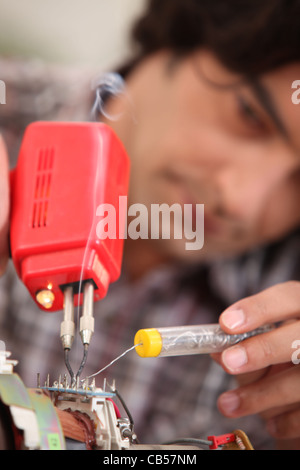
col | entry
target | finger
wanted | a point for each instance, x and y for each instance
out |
(275, 412)
(286, 425)
(277, 303)
(271, 391)
(259, 352)
(242, 379)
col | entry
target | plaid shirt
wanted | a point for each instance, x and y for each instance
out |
(168, 398)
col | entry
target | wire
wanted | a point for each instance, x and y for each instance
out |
(67, 363)
(117, 411)
(113, 361)
(85, 353)
(184, 441)
(133, 436)
(125, 408)
(99, 168)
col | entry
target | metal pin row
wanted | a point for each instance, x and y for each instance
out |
(63, 384)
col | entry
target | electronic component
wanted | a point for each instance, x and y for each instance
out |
(63, 415)
(186, 340)
(93, 405)
(32, 416)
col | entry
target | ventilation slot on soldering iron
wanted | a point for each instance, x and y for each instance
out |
(42, 187)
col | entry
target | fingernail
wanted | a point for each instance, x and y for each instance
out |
(229, 402)
(235, 358)
(233, 318)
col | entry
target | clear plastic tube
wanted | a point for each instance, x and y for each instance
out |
(187, 340)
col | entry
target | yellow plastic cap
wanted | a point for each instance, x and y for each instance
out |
(149, 341)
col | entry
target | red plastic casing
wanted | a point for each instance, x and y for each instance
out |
(217, 441)
(64, 172)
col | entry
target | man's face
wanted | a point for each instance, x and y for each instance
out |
(202, 135)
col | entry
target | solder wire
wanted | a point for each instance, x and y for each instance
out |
(100, 166)
(189, 339)
(113, 361)
(110, 84)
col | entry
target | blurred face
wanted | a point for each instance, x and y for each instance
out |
(201, 134)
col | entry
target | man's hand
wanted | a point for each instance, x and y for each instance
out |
(4, 206)
(265, 364)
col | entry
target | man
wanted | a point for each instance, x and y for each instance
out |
(210, 120)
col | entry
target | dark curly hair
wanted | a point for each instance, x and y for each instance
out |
(250, 37)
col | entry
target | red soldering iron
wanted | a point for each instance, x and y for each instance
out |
(63, 173)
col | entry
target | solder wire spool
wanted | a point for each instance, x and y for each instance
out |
(148, 342)
(188, 340)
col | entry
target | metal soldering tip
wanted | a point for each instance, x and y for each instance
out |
(86, 321)
(67, 329)
(87, 318)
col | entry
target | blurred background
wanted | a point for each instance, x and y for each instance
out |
(51, 53)
(93, 32)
